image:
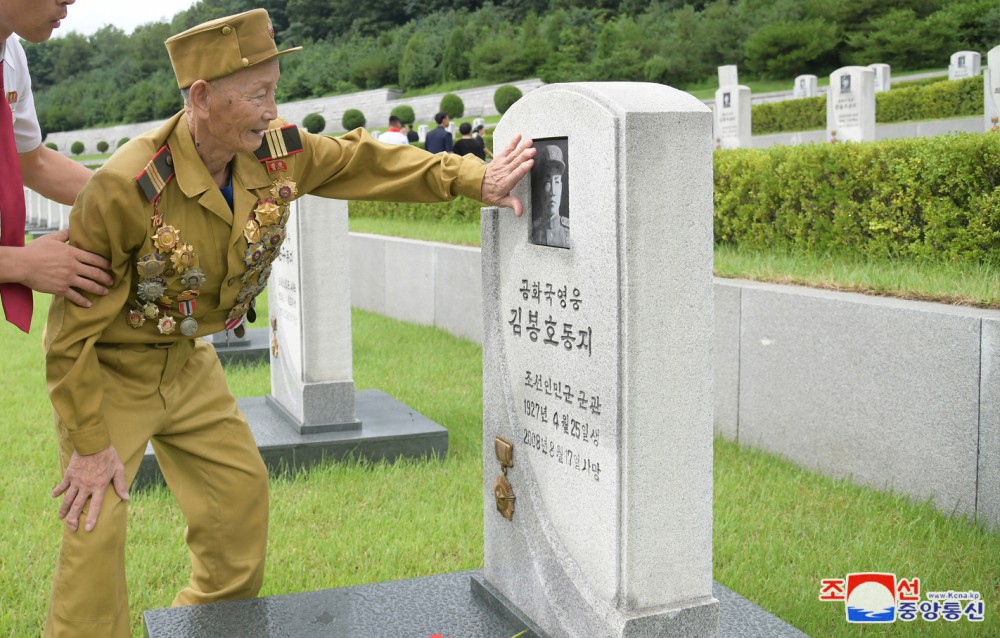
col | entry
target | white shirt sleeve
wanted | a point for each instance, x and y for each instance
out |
(17, 92)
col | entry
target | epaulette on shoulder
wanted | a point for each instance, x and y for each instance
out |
(280, 142)
(157, 174)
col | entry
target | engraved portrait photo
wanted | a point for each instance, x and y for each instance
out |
(845, 84)
(726, 100)
(961, 61)
(550, 193)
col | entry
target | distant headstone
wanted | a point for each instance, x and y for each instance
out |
(375, 134)
(964, 64)
(451, 128)
(729, 75)
(476, 123)
(64, 211)
(422, 133)
(598, 369)
(732, 117)
(310, 319)
(850, 105)
(805, 86)
(883, 78)
(991, 88)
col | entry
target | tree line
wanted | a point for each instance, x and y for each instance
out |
(111, 77)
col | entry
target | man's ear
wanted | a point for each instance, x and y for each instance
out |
(199, 94)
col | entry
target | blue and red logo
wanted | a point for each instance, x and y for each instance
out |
(876, 597)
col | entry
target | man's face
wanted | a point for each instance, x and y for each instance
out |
(33, 20)
(553, 191)
(445, 122)
(242, 106)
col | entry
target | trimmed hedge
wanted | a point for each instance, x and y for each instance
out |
(922, 198)
(917, 100)
(505, 96)
(405, 113)
(122, 142)
(102, 147)
(52, 145)
(935, 197)
(352, 119)
(76, 148)
(314, 123)
(452, 105)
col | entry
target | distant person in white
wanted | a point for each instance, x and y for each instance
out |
(47, 264)
(394, 135)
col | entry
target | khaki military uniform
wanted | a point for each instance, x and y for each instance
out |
(131, 368)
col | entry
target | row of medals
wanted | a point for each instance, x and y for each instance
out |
(264, 232)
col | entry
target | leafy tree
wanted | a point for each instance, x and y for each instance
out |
(505, 96)
(352, 119)
(122, 142)
(455, 61)
(452, 105)
(315, 123)
(787, 49)
(76, 148)
(102, 147)
(420, 62)
(52, 145)
(404, 113)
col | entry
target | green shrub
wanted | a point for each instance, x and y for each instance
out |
(315, 123)
(404, 113)
(452, 105)
(505, 97)
(918, 100)
(76, 148)
(353, 118)
(461, 209)
(52, 145)
(903, 83)
(102, 147)
(122, 142)
(935, 198)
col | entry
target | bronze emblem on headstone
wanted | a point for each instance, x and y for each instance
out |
(274, 337)
(502, 490)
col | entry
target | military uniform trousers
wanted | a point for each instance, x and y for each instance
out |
(176, 397)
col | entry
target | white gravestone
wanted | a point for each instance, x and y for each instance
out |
(732, 117)
(991, 90)
(52, 214)
(850, 105)
(598, 368)
(883, 77)
(64, 216)
(310, 319)
(729, 75)
(375, 134)
(476, 123)
(805, 86)
(964, 64)
(422, 133)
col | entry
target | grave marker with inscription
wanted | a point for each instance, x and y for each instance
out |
(729, 75)
(991, 90)
(883, 77)
(850, 105)
(964, 64)
(598, 370)
(732, 117)
(806, 86)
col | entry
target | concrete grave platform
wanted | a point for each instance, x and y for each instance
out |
(255, 348)
(389, 430)
(458, 604)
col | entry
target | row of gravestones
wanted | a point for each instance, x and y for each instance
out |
(850, 100)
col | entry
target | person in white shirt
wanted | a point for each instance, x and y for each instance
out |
(47, 264)
(394, 135)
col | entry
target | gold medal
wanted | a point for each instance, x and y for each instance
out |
(252, 231)
(150, 265)
(150, 311)
(135, 319)
(284, 190)
(167, 325)
(166, 239)
(183, 257)
(188, 295)
(267, 213)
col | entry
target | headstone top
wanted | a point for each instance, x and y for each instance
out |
(733, 127)
(850, 105)
(964, 64)
(729, 75)
(805, 86)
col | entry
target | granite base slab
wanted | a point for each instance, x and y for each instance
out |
(254, 348)
(389, 430)
(449, 604)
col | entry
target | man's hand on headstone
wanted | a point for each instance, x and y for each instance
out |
(505, 171)
(51, 265)
(87, 477)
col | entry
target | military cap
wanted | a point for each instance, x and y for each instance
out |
(222, 47)
(551, 158)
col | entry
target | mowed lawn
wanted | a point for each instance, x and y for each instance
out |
(779, 530)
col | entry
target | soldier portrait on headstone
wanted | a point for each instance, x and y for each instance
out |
(845, 84)
(726, 100)
(549, 194)
(961, 61)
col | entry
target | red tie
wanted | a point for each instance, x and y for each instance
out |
(16, 298)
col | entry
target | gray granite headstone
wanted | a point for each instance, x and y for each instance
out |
(732, 117)
(805, 86)
(311, 355)
(991, 90)
(422, 133)
(964, 64)
(598, 368)
(850, 105)
(883, 77)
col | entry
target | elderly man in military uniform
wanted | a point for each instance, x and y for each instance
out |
(191, 216)
(549, 227)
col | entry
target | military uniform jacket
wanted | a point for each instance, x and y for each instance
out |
(178, 252)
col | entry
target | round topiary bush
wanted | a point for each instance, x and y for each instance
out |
(314, 123)
(505, 96)
(404, 113)
(122, 142)
(76, 148)
(102, 147)
(452, 105)
(353, 118)
(51, 145)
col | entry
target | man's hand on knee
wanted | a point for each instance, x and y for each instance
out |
(87, 477)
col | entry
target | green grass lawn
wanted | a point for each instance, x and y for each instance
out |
(778, 529)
